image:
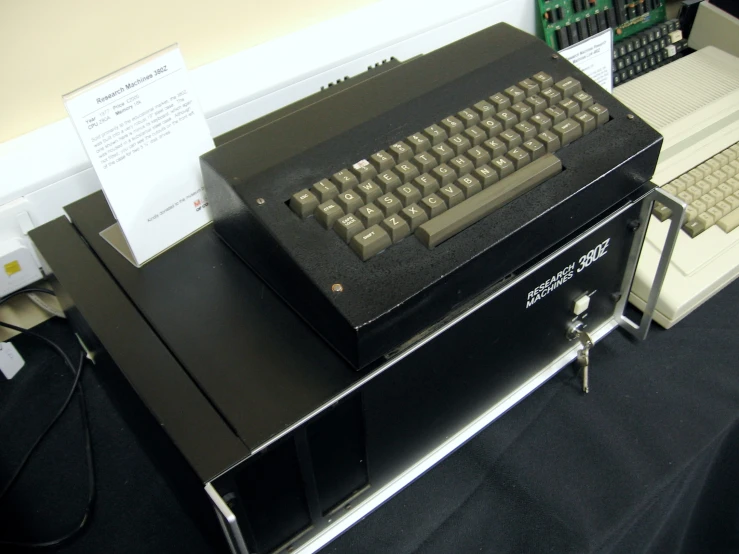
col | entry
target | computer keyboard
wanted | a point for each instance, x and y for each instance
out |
(694, 103)
(439, 181)
(711, 193)
(382, 209)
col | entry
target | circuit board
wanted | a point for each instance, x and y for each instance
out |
(567, 22)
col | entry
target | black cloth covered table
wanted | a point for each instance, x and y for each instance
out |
(647, 462)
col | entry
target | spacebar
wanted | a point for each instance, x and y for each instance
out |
(476, 207)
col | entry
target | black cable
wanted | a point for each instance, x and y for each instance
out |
(76, 386)
(4, 299)
(43, 434)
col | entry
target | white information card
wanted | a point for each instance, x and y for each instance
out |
(594, 57)
(144, 131)
(11, 362)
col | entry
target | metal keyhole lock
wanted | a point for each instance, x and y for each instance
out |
(576, 331)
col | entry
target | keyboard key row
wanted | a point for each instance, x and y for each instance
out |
(305, 202)
(417, 211)
(711, 191)
(395, 191)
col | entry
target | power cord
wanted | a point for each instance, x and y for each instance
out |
(28, 290)
(33, 297)
(76, 386)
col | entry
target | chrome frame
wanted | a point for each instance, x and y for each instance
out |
(228, 521)
(677, 218)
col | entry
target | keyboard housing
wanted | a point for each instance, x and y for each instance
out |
(395, 298)
(697, 122)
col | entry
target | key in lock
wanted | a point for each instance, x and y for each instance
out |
(577, 332)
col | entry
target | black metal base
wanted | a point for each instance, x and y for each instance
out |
(257, 405)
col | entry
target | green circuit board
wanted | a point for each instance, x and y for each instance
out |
(567, 22)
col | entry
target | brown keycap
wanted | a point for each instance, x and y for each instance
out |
(348, 226)
(370, 242)
(397, 227)
(303, 203)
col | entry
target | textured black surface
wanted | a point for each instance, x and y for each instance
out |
(646, 463)
(225, 327)
(198, 431)
(392, 297)
(300, 104)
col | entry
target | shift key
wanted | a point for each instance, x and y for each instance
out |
(472, 210)
(567, 131)
(370, 242)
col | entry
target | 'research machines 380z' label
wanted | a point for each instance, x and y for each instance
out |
(567, 272)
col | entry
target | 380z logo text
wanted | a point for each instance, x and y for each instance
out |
(595, 254)
(567, 273)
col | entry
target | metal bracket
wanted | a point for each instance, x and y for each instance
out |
(677, 218)
(228, 521)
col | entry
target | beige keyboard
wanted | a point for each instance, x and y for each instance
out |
(711, 192)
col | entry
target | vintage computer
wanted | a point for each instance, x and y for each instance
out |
(395, 262)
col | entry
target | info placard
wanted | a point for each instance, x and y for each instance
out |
(144, 131)
(594, 57)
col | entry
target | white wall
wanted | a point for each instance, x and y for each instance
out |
(50, 47)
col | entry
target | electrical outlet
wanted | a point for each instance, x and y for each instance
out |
(18, 267)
